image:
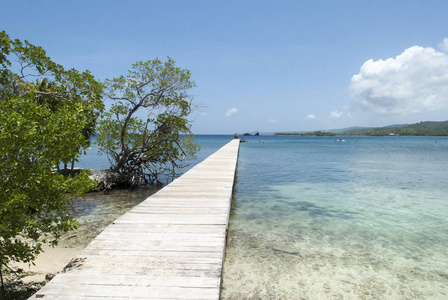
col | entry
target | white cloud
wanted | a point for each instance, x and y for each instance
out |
(413, 82)
(444, 45)
(311, 117)
(272, 121)
(336, 114)
(231, 112)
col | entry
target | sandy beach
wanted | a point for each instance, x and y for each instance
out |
(51, 261)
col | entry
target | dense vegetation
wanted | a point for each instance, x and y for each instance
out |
(315, 133)
(418, 129)
(46, 116)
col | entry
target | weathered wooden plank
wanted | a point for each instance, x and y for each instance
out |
(213, 246)
(179, 192)
(131, 292)
(146, 260)
(166, 228)
(180, 281)
(160, 242)
(181, 203)
(111, 235)
(171, 246)
(90, 264)
(190, 211)
(144, 271)
(184, 202)
(136, 218)
(150, 253)
(176, 210)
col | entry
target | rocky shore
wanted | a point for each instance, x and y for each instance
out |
(106, 179)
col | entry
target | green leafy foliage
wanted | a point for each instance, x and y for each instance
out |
(44, 114)
(146, 133)
(33, 207)
(26, 71)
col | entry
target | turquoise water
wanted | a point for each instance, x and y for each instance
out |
(317, 219)
(209, 144)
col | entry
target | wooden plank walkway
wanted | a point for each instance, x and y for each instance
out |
(171, 246)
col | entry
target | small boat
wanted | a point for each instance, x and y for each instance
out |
(339, 140)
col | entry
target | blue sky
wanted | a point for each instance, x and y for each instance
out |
(263, 66)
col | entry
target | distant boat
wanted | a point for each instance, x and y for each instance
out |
(339, 140)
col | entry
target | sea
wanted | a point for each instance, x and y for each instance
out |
(318, 218)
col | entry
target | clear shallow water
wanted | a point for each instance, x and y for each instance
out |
(318, 219)
(97, 210)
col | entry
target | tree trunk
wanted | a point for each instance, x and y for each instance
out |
(73, 165)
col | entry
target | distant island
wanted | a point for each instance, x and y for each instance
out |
(418, 129)
(249, 134)
(315, 133)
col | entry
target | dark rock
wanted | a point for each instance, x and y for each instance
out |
(108, 179)
(248, 134)
(49, 276)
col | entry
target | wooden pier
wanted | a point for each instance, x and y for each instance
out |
(171, 246)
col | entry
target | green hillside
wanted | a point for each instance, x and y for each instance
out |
(315, 133)
(418, 129)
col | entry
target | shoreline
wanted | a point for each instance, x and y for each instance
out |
(94, 212)
(50, 261)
